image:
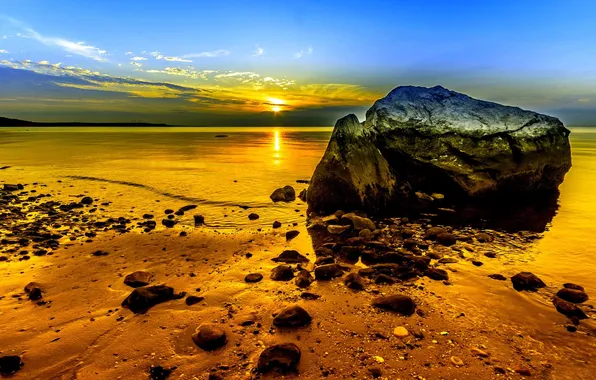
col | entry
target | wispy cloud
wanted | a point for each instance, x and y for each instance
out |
(78, 48)
(2, 51)
(302, 53)
(160, 56)
(259, 51)
(138, 59)
(135, 64)
(208, 54)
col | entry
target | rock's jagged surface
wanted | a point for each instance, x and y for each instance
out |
(433, 140)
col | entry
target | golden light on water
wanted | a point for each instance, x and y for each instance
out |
(276, 146)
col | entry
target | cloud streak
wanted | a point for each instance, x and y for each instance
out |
(208, 54)
(258, 52)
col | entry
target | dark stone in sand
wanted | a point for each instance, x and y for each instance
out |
(199, 220)
(290, 256)
(253, 277)
(159, 373)
(483, 237)
(99, 253)
(179, 213)
(192, 300)
(209, 337)
(304, 279)
(433, 232)
(291, 234)
(169, 223)
(138, 279)
(384, 279)
(168, 211)
(375, 372)
(10, 364)
(281, 358)
(253, 216)
(283, 194)
(148, 216)
(490, 254)
(35, 294)
(448, 260)
(354, 281)
(573, 295)
(309, 296)
(324, 260)
(302, 195)
(282, 273)
(221, 136)
(10, 187)
(477, 263)
(187, 208)
(328, 272)
(399, 303)
(437, 274)
(497, 276)
(87, 201)
(526, 281)
(569, 309)
(573, 286)
(292, 316)
(183, 233)
(171, 216)
(141, 299)
(446, 239)
(276, 224)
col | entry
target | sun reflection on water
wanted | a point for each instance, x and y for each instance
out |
(276, 146)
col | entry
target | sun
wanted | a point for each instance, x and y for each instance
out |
(276, 109)
(276, 101)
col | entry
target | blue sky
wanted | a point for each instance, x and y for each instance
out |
(270, 62)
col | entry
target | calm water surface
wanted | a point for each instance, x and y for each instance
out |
(137, 167)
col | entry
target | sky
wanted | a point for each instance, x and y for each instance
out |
(288, 63)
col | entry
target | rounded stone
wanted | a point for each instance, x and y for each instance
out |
(401, 332)
(209, 337)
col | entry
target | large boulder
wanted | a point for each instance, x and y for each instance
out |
(433, 140)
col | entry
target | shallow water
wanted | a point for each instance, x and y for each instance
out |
(151, 169)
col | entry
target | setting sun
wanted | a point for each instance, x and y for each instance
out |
(276, 109)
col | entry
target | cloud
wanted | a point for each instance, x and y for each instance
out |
(138, 59)
(128, 53)
(258, 52)
(78, 48)
(208, 54)
(135, 64)
(160, 56)
(302, 53)
(2, 51)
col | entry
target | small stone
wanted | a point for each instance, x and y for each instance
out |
(375, 372)
(209, 337)
(199, 220)
(484, 237)
(293, 316)
(253, 277)
(87, 200)
(304, 279)
(193, 300)
(399, 303)
(478, 352)
(573, 286)
(569, 309)
(336, 229)
(456, 361)
(523, 371)
(328, 272)
(571, 328)
(282, 273)
(477, 263)
(401, 332)
(276, 224)
(309, 296)
(253, 216)
(572, 295)
(143, 298)
(290, 256)
(354, 281)
(138, 279)
(283, 194)
(281, 358)
(446, 239)
(10, 364)
(291, 234)
(99, 253)
(490, 254)
(526, 281)
(169, 223)
(497, 276)
(437, 274)
(159, 373)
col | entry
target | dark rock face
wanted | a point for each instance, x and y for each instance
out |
(569, 309)
(282, 273)
(526, 281)
(141, 299)
(193, 300)
(293, 316)
(573, 295)
(328, 272)
(432, 140)
(209, 337)
(10, 364)
(282, 358)
(290, 256)
(283, 194)
(399, 303)
(138, 279)
(253, 277)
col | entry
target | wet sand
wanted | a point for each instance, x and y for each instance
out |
(83, 332)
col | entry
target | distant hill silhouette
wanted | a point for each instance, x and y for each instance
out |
(6, 122)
